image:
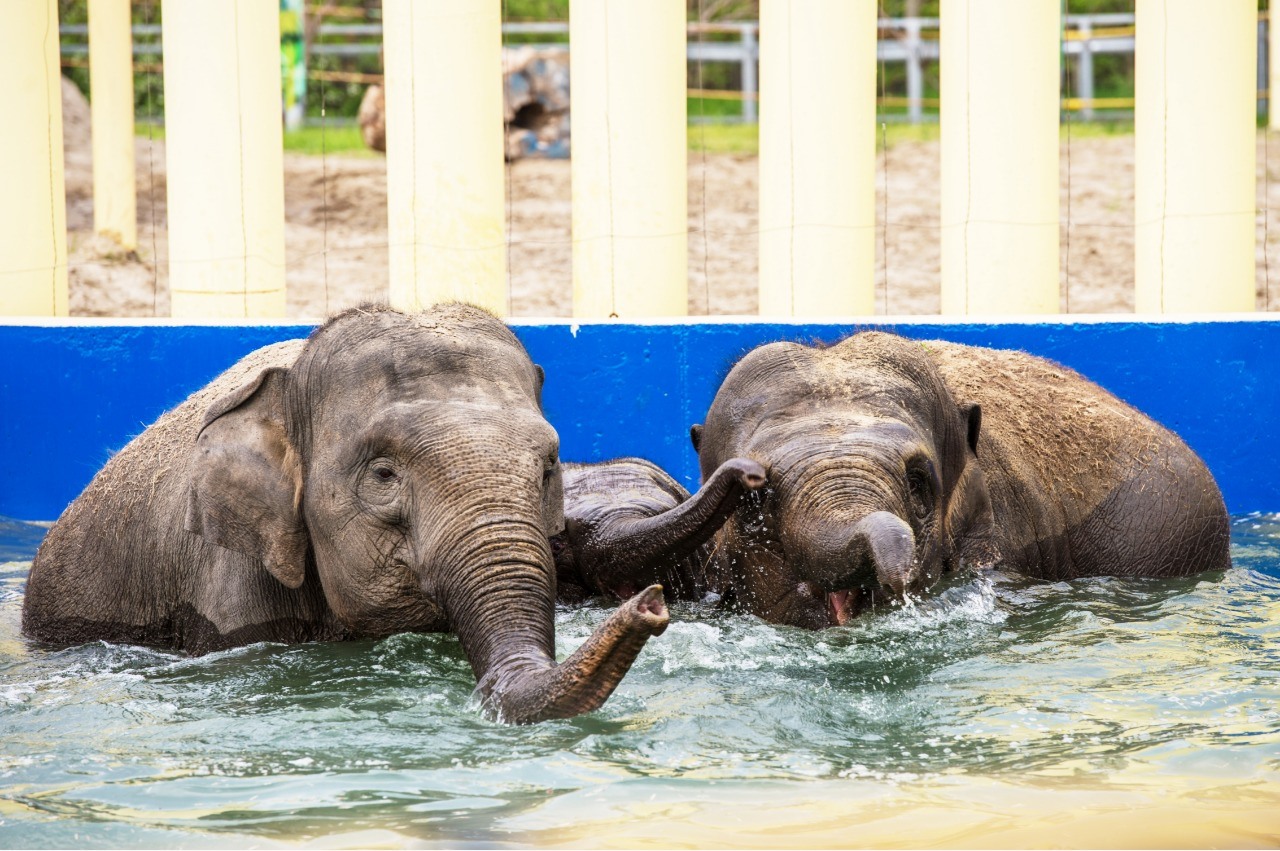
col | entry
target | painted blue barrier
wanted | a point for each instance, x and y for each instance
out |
(71, 394)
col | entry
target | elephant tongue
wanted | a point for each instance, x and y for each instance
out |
(840, 605)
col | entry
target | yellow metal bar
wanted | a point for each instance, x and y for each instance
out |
(1195, 136)
(224, 153)
(629, 164)
(817, 163)
(1000, 164)
(445, 179)
(115, 204)
(1075, 104)
(1099, 33)
(33, 225)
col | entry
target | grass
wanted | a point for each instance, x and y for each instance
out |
(714, 138)
(341, 139)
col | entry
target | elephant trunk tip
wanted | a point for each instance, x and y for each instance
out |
(650, 607)
(751, 475)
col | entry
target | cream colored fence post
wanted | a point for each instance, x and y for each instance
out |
(1195, 134)
(445, 191)
(33, 215)
(1000, 155)
(817, 157)
(629, 164)
(115, 203)
(224, 156)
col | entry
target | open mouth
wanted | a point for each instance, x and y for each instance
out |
(842, 606)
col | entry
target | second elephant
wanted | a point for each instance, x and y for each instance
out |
(891, 461)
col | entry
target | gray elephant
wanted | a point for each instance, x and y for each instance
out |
(628, 525)
(391, 473)
(891, 461)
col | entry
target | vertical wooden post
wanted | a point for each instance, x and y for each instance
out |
(1195, 134)
(630, 172)
(445, 189)
(33, 215)
(817, 157)
(115, 202)
(1000, 82)
(224, 155)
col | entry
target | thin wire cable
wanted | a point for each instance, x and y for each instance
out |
(151, 185)
(244, 227)
(1164, 163)
(791, 154)
(884, 146)
(702, 138)
(968, 146)
(53, 214)
(1066, 118)
(508, 165)
(413, 111)
(1266, 179)
(324, 183)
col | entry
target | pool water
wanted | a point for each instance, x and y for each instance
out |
(998, 712)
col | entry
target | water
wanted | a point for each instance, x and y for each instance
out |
(998, 712)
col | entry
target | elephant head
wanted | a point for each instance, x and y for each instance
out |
(629, 524)
(403, 462)
(875, 486)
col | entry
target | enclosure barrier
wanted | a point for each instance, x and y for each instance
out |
(817, 158)
(1000, 165)
(445, 194)
(616, 388)
(1195, 136)
(1194, 211)
(629, 159)
(225, 158)
(33, 207)
(115, 197)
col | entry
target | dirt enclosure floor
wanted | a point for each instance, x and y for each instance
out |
(1097, 247)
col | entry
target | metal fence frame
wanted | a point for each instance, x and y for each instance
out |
(913, 43)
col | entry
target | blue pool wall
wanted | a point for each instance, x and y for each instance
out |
(73, 392)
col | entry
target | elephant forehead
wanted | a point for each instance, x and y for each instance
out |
(790, 443)
(435, 367)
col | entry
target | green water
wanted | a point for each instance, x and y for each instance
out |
(1164, 690)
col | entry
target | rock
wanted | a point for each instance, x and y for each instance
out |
(535, 104)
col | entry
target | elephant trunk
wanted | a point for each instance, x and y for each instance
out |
(877, 552)
(625, 544)
(502, 608)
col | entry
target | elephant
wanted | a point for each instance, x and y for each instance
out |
(891, 461)
(629, 524)
(393, 472)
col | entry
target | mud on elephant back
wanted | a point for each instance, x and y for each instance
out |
(391, 473)
(891, 461)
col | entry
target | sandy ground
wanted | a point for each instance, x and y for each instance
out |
(336, 232)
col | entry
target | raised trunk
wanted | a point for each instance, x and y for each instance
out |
(625, 545)
(502, 608)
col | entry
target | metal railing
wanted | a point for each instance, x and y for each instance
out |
(910, 41)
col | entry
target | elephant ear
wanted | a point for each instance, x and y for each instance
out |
(246, 482)
(970, 519)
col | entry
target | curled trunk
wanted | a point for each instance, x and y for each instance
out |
(503, 612)
(625, 551)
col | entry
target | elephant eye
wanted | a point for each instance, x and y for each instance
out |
(920, 488)
(384, 473)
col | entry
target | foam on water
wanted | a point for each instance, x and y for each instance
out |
(991, 688)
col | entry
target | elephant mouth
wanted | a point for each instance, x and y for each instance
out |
(842, 606)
